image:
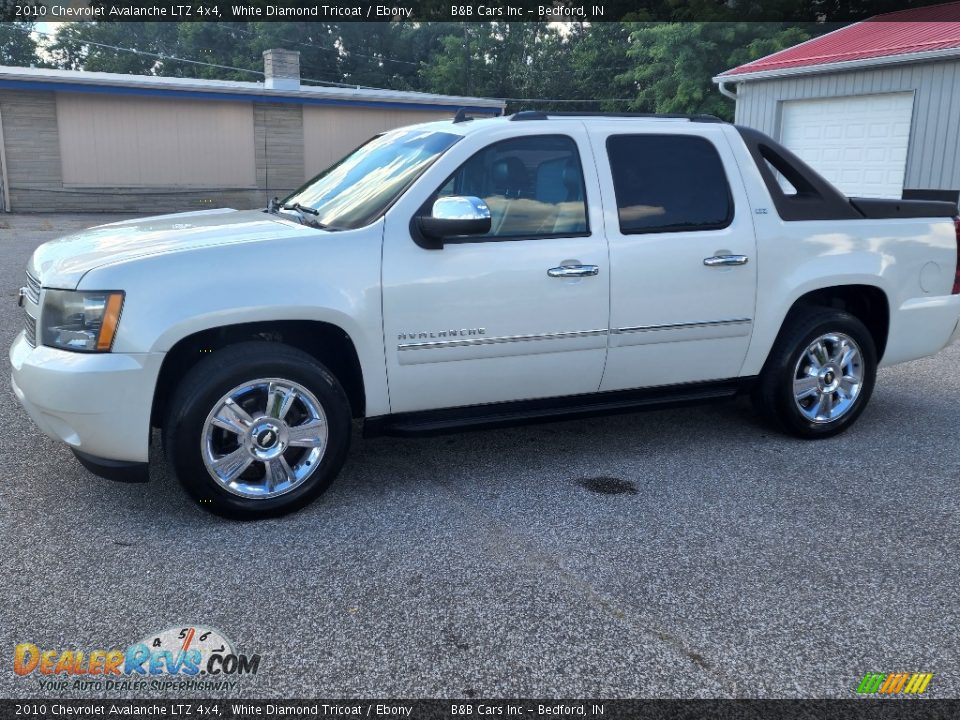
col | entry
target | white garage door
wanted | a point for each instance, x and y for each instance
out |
(858, 143)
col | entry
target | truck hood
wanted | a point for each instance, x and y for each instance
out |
(62, 263)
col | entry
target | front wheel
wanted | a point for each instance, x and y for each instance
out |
(257, 429)
(820, 374)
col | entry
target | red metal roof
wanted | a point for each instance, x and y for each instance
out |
(917, 30)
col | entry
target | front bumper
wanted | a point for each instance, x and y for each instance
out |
(97, 403)
(119, 470)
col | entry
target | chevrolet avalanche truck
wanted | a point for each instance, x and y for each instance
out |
(465, 274)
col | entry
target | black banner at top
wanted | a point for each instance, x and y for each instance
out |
(475, 10)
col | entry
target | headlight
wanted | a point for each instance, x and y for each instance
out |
(85, 320)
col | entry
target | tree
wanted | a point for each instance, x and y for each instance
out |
(643, 66)
(17, 46)
(497, 59)
(674, 63)
(598, 67)
(92, 46)
(376, 54)
(385, 54)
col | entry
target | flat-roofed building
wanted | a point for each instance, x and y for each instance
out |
(89, 141)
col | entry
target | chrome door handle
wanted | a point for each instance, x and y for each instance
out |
(721, 260)
(572, 271)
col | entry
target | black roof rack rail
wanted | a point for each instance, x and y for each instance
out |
(540, 115)
(461, 116)
(528, 115)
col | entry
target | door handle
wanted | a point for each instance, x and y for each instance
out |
(574, 271)
(722, 260)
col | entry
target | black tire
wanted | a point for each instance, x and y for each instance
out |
(774, 393)
(208, 382)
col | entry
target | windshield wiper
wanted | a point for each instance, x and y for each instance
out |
(303, 211)
(301, 208)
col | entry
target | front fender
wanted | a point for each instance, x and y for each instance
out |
(326, 277)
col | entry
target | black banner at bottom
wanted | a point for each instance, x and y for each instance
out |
(853, 709)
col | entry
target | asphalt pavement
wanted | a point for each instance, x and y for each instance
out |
(680, 553)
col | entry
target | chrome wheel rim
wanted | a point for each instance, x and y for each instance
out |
(828, 378)
(264, 438)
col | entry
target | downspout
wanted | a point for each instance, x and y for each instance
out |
(4, 180)
(721, 86)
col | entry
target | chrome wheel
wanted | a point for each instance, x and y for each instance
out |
(264, 438)
(828, 378)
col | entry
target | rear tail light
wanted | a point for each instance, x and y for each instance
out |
(956, 276)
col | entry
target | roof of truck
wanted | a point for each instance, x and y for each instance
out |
(467, 125)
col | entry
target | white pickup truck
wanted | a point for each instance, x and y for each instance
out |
(467, 274)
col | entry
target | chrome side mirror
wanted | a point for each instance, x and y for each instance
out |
(456, 215)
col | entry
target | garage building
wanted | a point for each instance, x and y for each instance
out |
(874, 106)
(89, 141)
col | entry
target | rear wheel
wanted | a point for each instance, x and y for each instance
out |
(257, 429)
(820, 374)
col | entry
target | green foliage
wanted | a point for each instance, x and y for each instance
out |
(489, 59)
(529, 61)
(17, 45)
(600, 66)
(642, 66)
(673, 63)
(72, 48)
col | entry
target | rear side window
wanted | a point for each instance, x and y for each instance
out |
(668, 183)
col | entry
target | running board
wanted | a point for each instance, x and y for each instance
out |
(523, 412)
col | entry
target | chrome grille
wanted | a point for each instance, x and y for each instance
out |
(29, 329)
(33, 289)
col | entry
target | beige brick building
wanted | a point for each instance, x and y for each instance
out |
(88, 141)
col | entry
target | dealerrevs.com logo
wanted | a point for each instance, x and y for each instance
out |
(193, 657)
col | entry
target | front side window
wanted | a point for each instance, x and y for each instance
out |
(668, 183)
(358, 190)
(533, 186)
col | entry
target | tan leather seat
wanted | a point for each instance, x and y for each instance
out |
(571, 213)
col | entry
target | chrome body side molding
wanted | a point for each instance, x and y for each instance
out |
(412, 353)
(680, 332)
(497, 340)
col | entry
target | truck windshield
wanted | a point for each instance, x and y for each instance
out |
(357, 190)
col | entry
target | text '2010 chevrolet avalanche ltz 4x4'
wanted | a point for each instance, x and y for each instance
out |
(469, 274)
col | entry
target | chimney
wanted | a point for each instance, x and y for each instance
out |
(281, 69)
